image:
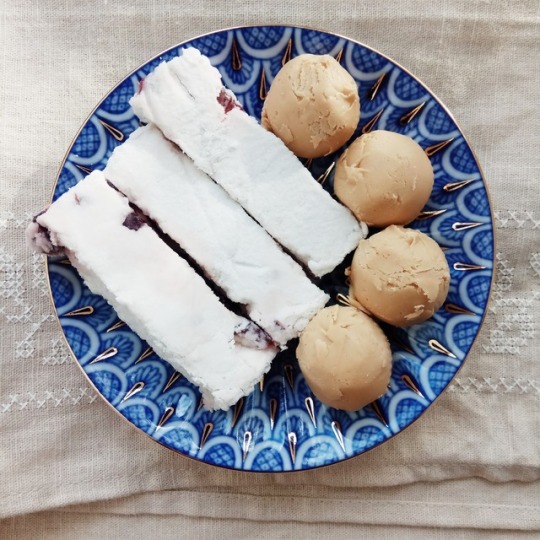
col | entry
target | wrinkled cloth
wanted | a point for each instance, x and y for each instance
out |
(468, 468)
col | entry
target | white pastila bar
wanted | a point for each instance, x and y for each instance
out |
(232, 249)
(155, 291)
(186, 99)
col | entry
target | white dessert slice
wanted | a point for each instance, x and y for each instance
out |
(232, 249)
(154, 291)
(186, 99)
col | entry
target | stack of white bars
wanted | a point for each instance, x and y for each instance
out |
(229, 194)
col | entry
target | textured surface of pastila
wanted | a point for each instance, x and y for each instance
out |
(60, 444)
(105, 250)
(168, 187)
(252, 165)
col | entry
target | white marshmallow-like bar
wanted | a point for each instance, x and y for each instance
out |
(186, 99)
(230, 247)
(155, 291)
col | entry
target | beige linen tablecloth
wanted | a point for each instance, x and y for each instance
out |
(71, 468)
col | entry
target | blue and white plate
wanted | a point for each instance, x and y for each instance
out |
(281, 426)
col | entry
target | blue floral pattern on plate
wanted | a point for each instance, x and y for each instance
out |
(281, 426)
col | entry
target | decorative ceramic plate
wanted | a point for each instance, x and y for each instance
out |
(281, 426)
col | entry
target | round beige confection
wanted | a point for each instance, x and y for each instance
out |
(384, 178)
(400, 276)
(345, 358)
(312, 105)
